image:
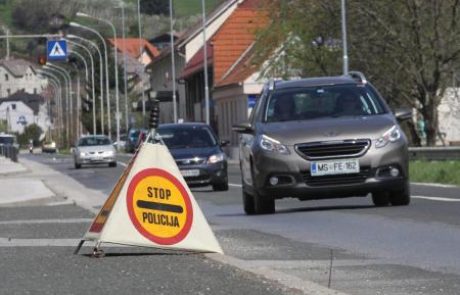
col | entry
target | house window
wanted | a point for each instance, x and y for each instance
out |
(8, 92)
(35, 90)
(13, 106)
(6, 77)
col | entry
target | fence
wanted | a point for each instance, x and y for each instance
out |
(9, 151)
(434, 153)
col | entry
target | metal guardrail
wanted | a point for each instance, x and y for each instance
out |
(434, 153)
(9, 151)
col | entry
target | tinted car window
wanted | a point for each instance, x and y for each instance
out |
(193, 137)
(92, 141)
(320, 102)
(6, 140)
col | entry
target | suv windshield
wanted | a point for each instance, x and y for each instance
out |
(321, 102)
(187, 137)
(92, 141)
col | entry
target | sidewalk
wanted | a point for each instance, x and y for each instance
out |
(17, 185)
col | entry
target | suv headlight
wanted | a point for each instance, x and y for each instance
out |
(391, 135)
(216, 158)
(272, 145)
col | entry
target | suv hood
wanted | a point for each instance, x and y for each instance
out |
(329, 129)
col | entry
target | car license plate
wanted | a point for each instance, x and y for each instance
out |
(334, 167)
(190, 172)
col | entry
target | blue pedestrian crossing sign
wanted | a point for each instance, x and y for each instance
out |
(56, 49)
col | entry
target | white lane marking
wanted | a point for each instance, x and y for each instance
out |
(435, 184)
(122, 164)
(12, 242)
(436, 199)
(46, 221)
(235, 185)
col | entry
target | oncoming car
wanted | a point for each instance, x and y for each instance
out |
(198, 154)
(318, 138)
(94, 149)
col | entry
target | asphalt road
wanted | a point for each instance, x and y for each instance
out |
(394, 250)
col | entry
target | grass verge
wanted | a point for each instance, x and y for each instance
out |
(445, 172)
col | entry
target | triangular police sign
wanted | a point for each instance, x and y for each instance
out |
(152, 206)
(56, 49)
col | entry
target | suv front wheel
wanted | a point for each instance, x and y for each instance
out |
(263, 205)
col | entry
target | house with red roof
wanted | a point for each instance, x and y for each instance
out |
(189, 73)
(237, 81)
(140, 49)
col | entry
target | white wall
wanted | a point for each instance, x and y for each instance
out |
(29, 82)
(160, 80)
(195, 43)
(12, 111)
(449, 115)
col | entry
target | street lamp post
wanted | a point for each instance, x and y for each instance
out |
(57, 98)
(140, 56)
(125, 79)
(344, 38)
(173, 61)
(78, 117)
(115, 56)
(205, 61)
(48, 106)
(104, 44)
(100, 73)
(87, 82)
(52, 75)
(92, 80)
(67, 77)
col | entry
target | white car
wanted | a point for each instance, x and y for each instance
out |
(94, 149)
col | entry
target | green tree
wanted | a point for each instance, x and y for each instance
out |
(32, 131)
(409, 55)
(152, 7)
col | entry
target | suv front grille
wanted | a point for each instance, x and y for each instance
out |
(333, 149)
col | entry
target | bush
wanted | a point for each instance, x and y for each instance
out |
(33, 132)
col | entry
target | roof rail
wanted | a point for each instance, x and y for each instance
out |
(358, 76)
(271, 84)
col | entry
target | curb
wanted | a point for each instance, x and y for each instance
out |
(288, 281)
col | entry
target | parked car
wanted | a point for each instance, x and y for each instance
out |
(132, 140)
(94, 149)
(319, 138)
(49, 147)
(198, 153)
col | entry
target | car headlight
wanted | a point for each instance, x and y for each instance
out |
(82, 154)
(216, 158)
(109, 153)
(272, 145)
(391, 135)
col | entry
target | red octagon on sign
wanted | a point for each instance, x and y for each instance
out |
(130, 200)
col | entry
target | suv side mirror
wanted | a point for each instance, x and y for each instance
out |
(245, 127)
(403, 114)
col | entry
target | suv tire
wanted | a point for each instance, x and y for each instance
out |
(381, 199)
(220, 186)
(77, 166)
(263, 205)
(248, 204)
(400, 197)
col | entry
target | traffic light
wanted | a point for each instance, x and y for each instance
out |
(42, 60)
(154, 114)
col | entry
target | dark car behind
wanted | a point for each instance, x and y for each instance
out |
(198, 154)
(132, 140)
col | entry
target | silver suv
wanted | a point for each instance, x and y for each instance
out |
(319, 138)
